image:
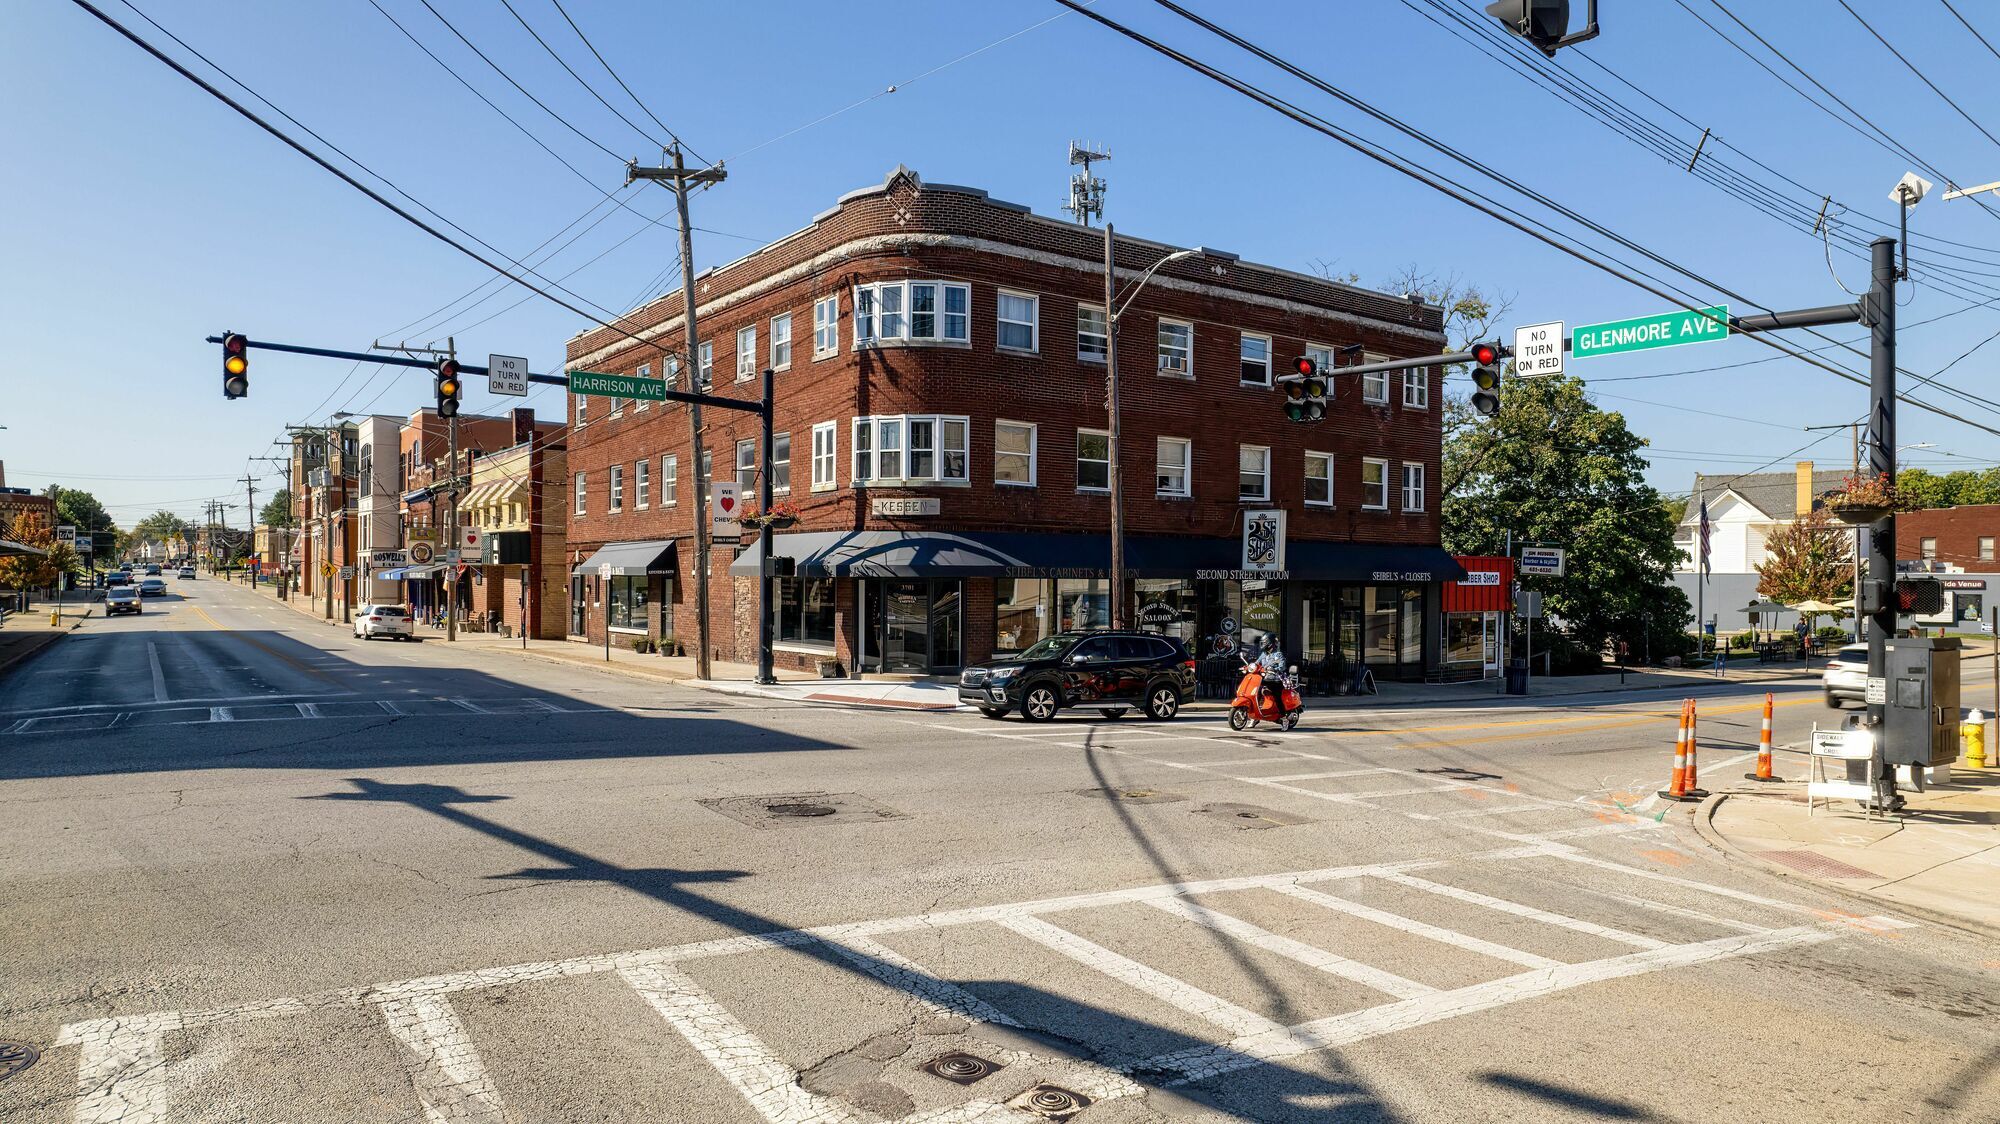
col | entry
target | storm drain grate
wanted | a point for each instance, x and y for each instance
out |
(960, 1067)
(1051, 1102)
(1815, 864)
(15, 1057)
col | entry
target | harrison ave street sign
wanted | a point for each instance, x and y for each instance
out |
(617, 386)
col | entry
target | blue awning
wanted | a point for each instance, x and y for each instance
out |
(629, 559)
(395, 575)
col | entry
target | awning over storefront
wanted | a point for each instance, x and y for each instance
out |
(414, 572)
(1370, 562)
(889, 554)
(394, 575)
(630, 559)
(9, 548)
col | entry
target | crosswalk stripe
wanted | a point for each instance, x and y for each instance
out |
(1419, 928)
(1131, 973)
(220, 714)
(122, 1070)
(742, 1058)
(451, 1081)
(1388, 983)
(1328, 775)
(905, 975)
(1502, 905)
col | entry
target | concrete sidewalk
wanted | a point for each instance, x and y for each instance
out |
(1938, 859)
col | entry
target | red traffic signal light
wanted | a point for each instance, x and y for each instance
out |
(235, 365)
(1306, 365)
(1485, 354)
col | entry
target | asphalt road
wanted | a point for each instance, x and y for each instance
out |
(259, 871)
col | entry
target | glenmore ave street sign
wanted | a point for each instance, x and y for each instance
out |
(1643, 333)
(617, 386)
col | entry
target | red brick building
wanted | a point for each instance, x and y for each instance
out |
(1959, 538)
(940, 379)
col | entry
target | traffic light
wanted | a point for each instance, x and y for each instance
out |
(235, 366)
(1541, 22)
(1922, 597)
(1295, 389)
(1486, 359)
(449, 388)
(1314, 385)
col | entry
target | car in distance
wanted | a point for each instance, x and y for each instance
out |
(186, 573)
(117, 578)
(1111, 671)
(122, 599)
(152, 587)
(392, 621)
(153, 569)
(1846, 675)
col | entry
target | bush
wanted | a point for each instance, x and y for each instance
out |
(1830, 636)
(1743, 641)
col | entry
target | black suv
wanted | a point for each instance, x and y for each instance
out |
(1112, 671)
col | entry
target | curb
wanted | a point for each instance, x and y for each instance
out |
(1705, 828)
(34, 649)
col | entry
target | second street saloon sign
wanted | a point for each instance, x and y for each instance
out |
(1263, 549)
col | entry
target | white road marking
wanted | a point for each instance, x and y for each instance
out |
(159, 678)
(473, 707)
(391, 708)
(122, 1068)
(744, 1061)
(1417, 791)
(1419, 928)
(307, 710)
(1173, 992)
(1502, 905)
(1330, 775)
(220, 714)
(451, 1082)
(1618, 828)
(903, 974)
(1386, 982)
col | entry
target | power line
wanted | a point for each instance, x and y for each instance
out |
(1968, 26)
(560, 61)
(502, 72)
(621, 83)
(1921, 76)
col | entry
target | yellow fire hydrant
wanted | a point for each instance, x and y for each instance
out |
(1972, 735)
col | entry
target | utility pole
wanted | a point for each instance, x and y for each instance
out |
(451, 513)
(679, 176)
(1116, 467)
(1878, 311)
(326, 516)
(250, 500)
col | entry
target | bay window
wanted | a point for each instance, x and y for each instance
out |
(914, 449)
(901, 312)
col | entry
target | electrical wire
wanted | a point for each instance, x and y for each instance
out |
(1921, 76)
(647, 110)
(592, 90)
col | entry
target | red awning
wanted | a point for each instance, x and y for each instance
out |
(1487, 588)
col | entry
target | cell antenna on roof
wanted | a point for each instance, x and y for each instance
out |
(1086, 191)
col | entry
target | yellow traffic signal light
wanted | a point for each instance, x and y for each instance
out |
(235, 365)
(449, 388)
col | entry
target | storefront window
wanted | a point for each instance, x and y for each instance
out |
(1464, 638)
(805, 611)
(1020, 613)
(1263, 612)
(1378, 624)
(1319, 622)
(1412, 624)
(1083, 603)
(1169, 607)
(627, 607)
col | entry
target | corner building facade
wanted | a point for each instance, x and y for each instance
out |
(940, 430)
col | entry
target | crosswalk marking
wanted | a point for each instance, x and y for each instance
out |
(1386, 982)
(451, 1082)
(1502, 905)
(1411, 925)
(1152, 981)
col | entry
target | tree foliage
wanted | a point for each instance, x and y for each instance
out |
(80, 509)
(1809, 560)
(161, 526)
(277, 513)
(1556, 470)
(1918, 488)
(33, 571)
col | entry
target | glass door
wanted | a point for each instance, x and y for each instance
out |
(905, 628)
(577, 606)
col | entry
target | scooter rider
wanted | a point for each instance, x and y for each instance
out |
(1272, 663)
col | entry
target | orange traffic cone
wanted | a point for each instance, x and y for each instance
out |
(1694, 790)
(1763, 772)
(1677, 787)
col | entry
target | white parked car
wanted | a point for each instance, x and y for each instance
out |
(392, 621)
(1847, 675)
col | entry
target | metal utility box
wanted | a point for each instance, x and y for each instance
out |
(1920, 707)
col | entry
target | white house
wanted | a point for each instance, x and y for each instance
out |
(1744, 511)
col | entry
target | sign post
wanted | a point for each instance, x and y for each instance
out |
(604, 575)
(1644, 333)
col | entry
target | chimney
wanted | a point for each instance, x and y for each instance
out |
(524, 424)
(1804, 488)
(3, 474)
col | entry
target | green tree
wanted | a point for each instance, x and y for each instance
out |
(1555, 469)
(1677, 508)
(35, 571)
(1810, 560)
(277, 513)
(161, 526)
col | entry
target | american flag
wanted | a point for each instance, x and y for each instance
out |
(1704, 538)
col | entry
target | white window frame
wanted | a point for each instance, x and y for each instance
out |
(1413, 486)
(1417, 389)
(781, 464)
(825, 456)
(1094, 489)
(582, 410)
(1102, 337)
(749, 489)
(1322, 355)
(1185, 467)
(645, 371)
(1033, 323)
(1034, 441)
(882, 313)
(582, 494)
(1382, 483)
(670, 480)
(1264, 474)
(781, 342)
(746, 353)
(1169, 353)
(1375, 387)
(868, 435)
(1326, 461)
(1243, 340)
(642, 484)
(671, 370)
(1986, 548)
(826, 327)
(705, 377)
(617, 501)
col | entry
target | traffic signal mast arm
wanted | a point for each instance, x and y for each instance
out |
(746, 406)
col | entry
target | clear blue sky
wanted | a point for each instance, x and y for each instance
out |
(138, 215)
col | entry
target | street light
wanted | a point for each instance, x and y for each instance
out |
(1112, 311)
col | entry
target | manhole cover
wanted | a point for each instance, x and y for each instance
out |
(1051, 1102)
(799, 809)
(15, 1057)
(1815, 864)
(960, 1067)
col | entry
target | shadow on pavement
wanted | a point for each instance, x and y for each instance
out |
(1595, 1107)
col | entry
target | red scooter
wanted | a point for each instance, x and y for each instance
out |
(1251, 702)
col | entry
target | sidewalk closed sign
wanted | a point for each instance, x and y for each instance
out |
(1546, 560)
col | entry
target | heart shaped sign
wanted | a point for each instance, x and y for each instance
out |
(727, 503)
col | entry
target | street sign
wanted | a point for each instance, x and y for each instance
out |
(1529, 604)
(1643, 333)
(617, 386)
(346, 572)
(326, 569)
(506, 374)
(386, 559)
(469, 542)
(66, 536)
(1547, 560)
(725, 504)
(1876, 691)
(1538, 350)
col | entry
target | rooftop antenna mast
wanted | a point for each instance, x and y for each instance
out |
(1086, 191)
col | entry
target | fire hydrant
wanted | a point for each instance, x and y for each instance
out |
(1973, 736)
